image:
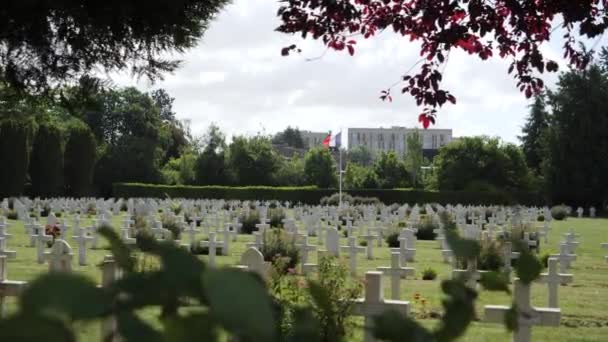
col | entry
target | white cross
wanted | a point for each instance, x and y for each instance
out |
(604, 246)
(258, 241)
(305, 247)
(8, 288)
(41, 239)
(82, 240)
(404, 251)
(227, 234)
(212, 246)
(553, 279)
(471, 274)
(396, 272)
(508, 255)
(527, 317)
(527, 241)
(4, 237)
(60, 257)
(564, 258)
(352, 249)
(571, 242)
(192, 230)
(369, 238)
(374, 303)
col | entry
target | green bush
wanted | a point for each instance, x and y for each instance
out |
(392, 239)
(425, 229)
(429, 274)
(249, 221)
(80, 156)
(14, 138)
(12, 214)
(313, 195)
(278, 246)
(540, 218)
(560, 212)
(46, 162)
(545, 259)
(171, 225)
(276, 217)
(490, 258)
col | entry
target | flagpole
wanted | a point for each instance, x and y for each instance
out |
(340, 177)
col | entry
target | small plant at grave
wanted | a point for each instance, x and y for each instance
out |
(333, 295)
(401, 225)
(363, 243)
(429, 274)
(176, 207)
(490, 258)
(52, 230)
(58, 214)
(392, 239)
(276, 216)
(425, 229)
(249, 220)
(46, 210)
(123, 206)
(91, 209)
(422, 307)
(12, 214)
(172, 225)
(277, 246)
(545, 260)
(540, 218)
(560, 212)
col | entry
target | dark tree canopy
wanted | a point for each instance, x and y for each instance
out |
(515, 29)
(577, 162)
(290, 136)
(534, 132)
(46, 162)
(44, 42)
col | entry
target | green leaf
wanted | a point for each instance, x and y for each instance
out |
(240, 302)
(528, 267)
(121, 252)
(132, 329)
(463, 248)
(511, 322)
(459, 308)
(321, 297)
(305, 327)
(67, 294)
(34, 328)
(394, 326)
(495, 281)
(193, 327)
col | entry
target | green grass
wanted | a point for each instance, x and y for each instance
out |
(584, 303)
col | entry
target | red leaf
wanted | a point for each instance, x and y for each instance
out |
(351, 50)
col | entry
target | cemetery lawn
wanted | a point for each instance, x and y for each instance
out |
(584, 303)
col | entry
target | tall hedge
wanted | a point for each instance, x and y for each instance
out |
(13, 156)
(46, 162)
(80, 157)
(313, 195)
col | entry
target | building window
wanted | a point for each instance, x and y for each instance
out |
(434, 141)
(441, 140)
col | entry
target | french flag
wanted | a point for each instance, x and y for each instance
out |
(333, 140)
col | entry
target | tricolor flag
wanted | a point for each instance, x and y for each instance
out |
(333, 140)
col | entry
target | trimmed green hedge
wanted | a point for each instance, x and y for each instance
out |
(312, 195)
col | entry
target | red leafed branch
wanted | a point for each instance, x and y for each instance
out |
(511, 29)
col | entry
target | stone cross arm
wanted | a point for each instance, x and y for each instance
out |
(362, 308)
(11, 288)
(540, 316)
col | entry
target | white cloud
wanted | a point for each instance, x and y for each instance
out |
(237, 78)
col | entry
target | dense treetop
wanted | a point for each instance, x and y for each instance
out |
(46, 42)
(512, 29)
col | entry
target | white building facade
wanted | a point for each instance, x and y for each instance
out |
(379, 140)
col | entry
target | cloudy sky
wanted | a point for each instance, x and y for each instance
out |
(237, 79)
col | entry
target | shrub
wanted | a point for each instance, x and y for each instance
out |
(276, 217)
(335, 199)
(12, 215)
(80, 156)
(490, 258)
(312, 195)
(363, 243)
(249, 221)
(560, 212)
(540, 218)
(425, 229)
(545, 259)
(429, 274)
(278, 246)
(171, 225)
(392, 239)
(46, 162)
